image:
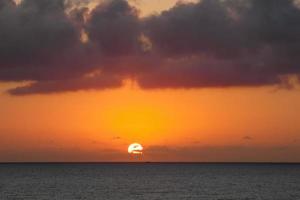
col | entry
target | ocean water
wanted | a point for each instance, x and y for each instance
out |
(150, 181)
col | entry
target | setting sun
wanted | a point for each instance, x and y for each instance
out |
(135, 148)
(150, 99)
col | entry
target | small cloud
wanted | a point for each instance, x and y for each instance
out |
(247, 138)
(116, 138)
(94, 142)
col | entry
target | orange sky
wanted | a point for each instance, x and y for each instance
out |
(221, 124)
(154, 6)
(91, 125)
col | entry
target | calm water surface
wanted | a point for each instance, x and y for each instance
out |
(150, 181)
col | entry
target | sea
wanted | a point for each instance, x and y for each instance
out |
(149, 181)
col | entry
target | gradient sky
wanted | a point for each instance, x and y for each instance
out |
(212, 80)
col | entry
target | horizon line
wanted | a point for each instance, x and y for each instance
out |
(143, 162)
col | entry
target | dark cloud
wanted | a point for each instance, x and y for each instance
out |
(114, 28)
(57, 44)
(188, 29)
(38, 42)
(33, 31)
(194, 72)
(85, 83)
(225, 43)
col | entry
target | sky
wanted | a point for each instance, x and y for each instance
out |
(195, 81)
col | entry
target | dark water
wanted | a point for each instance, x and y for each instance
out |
(150, 181)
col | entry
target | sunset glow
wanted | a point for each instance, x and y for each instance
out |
(189, 80)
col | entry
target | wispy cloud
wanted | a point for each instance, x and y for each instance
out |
(247, 138)
(230, 153)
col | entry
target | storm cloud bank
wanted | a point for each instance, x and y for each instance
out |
(60, 45)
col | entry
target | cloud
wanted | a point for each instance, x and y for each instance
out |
(224, 43)
(57, 44)
(231, 153)
(114, 28)
(86, 83)
(247, 138)
(66, 154)
(38, 42)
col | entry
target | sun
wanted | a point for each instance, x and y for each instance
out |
(135, 148)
